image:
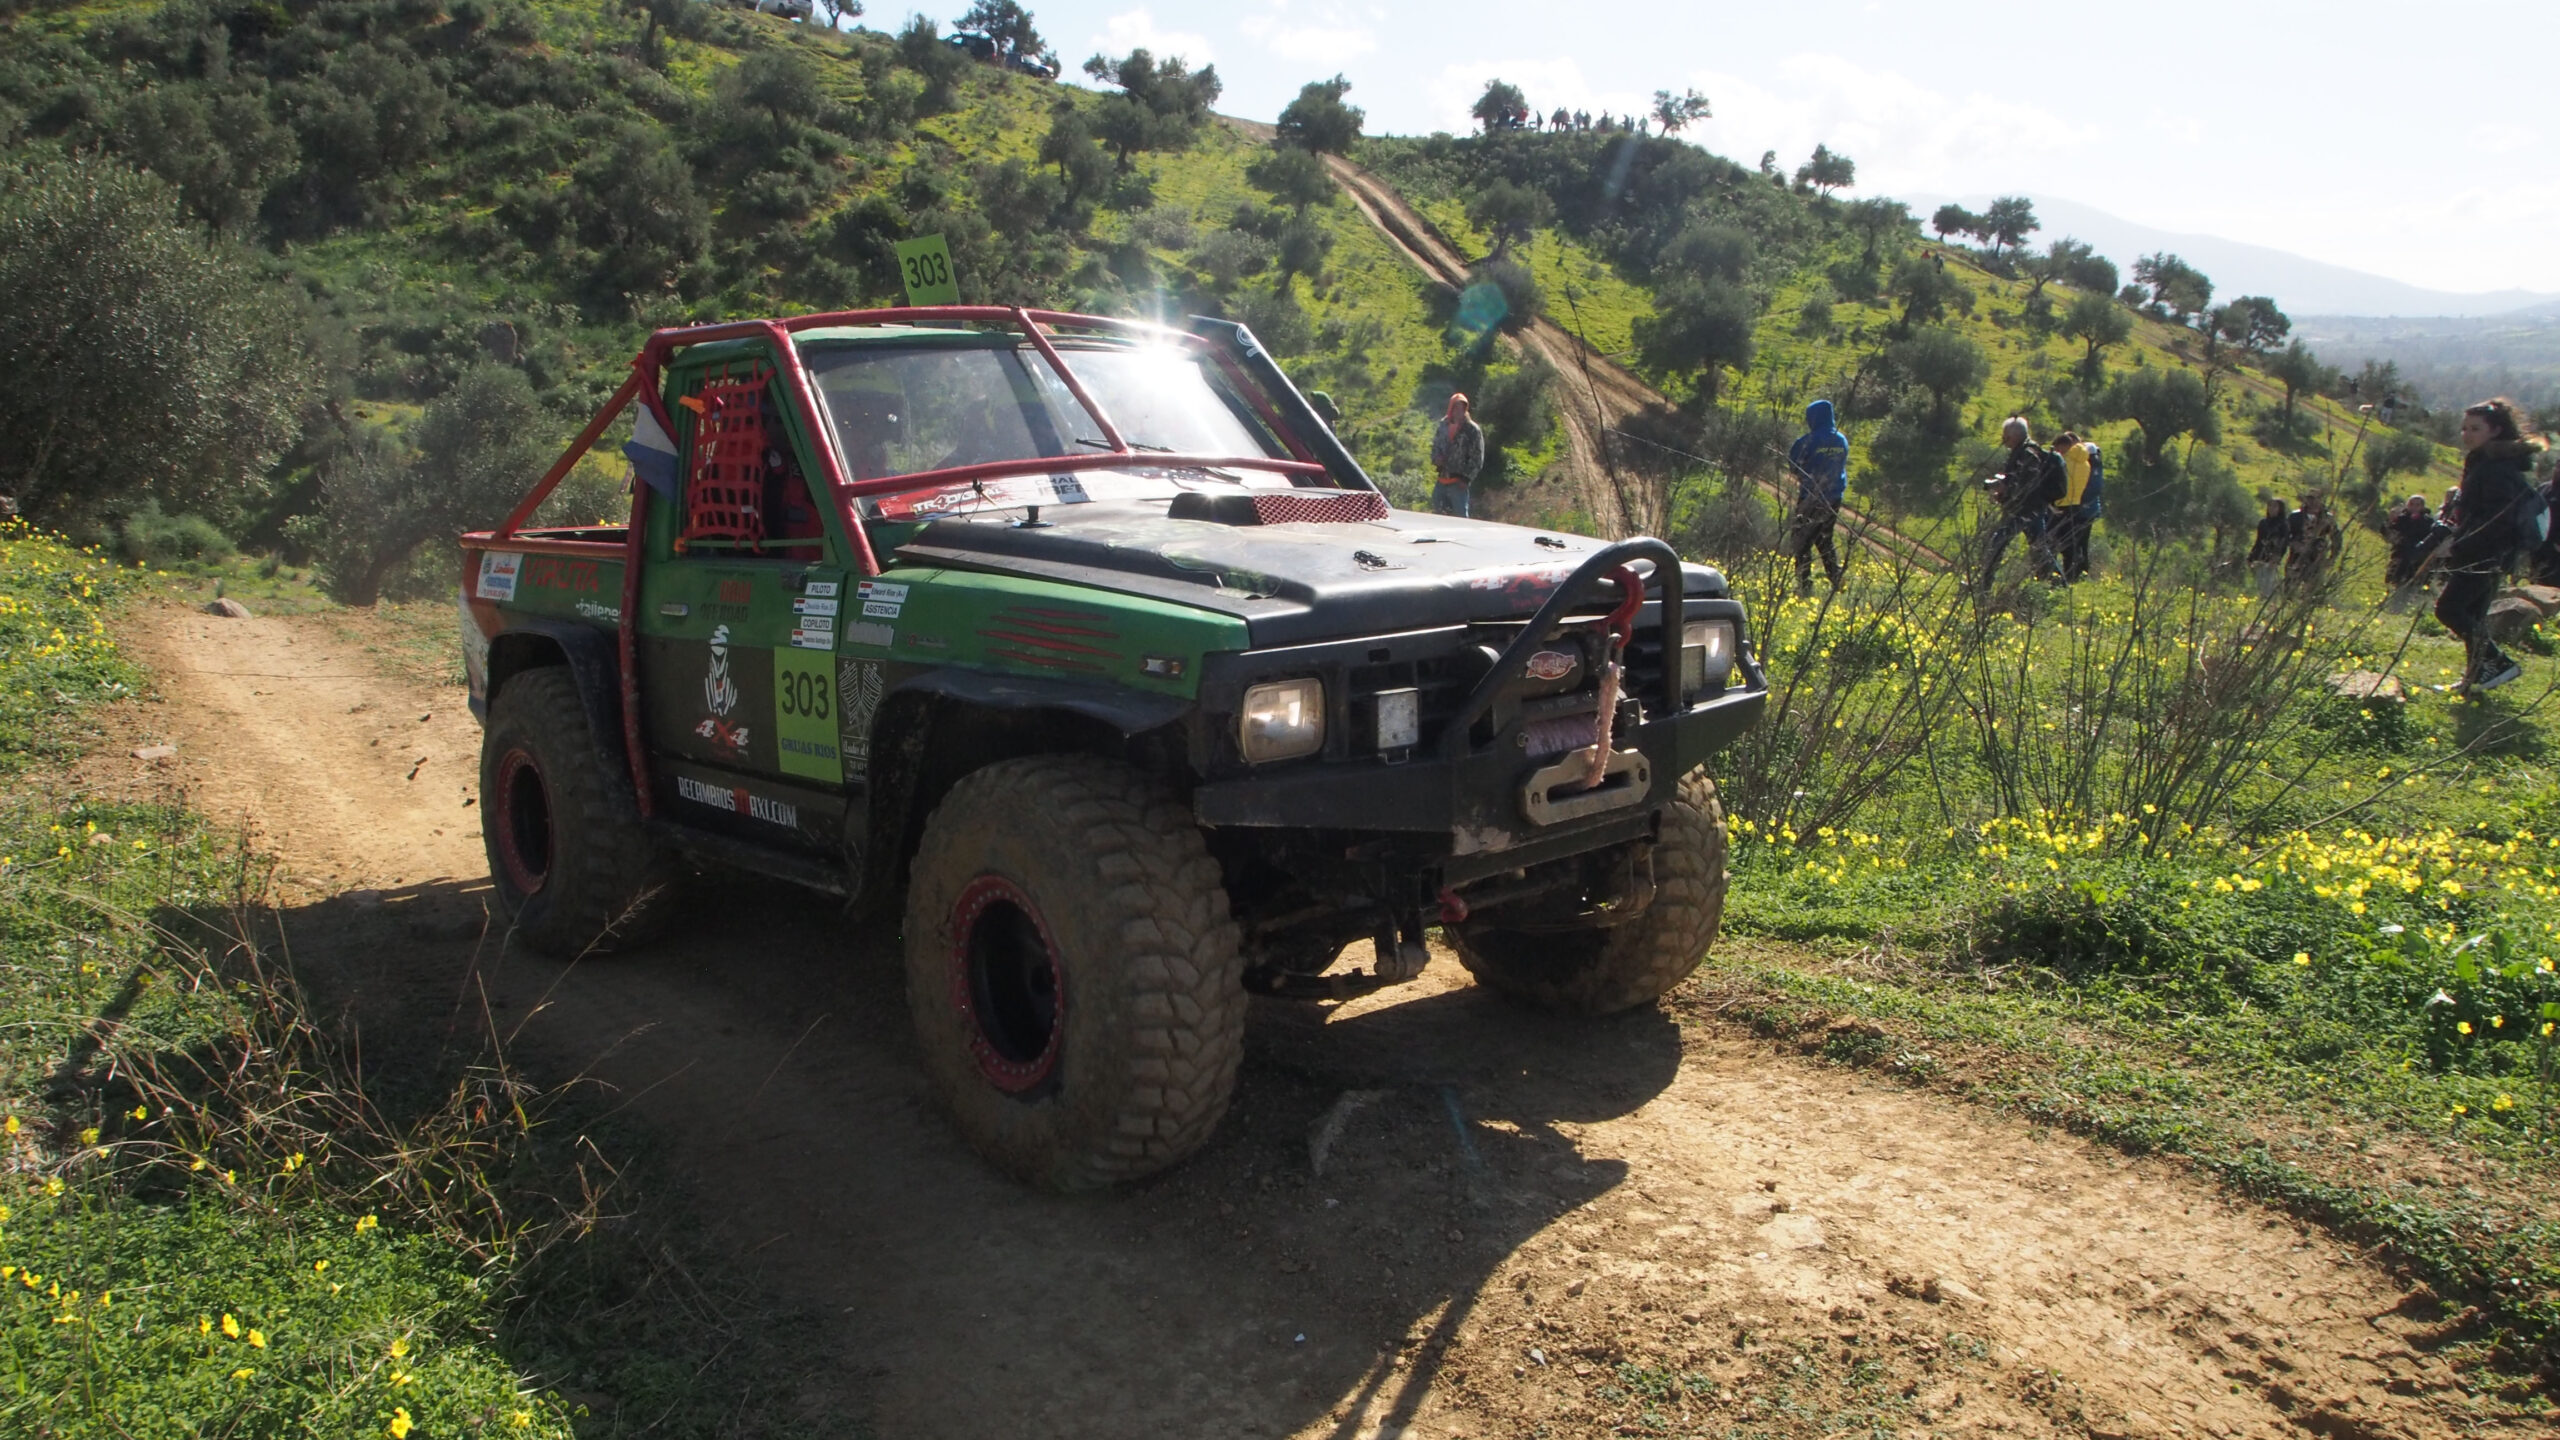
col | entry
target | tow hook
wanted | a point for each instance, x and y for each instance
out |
(1453, 907)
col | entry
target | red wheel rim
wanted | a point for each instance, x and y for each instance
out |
(523, 818)
(1008, 984)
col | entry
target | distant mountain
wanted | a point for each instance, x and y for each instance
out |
(2301, 286)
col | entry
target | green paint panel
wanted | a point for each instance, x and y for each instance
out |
(1067, 632)
(804, 714)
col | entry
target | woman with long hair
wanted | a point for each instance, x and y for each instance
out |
(2497, 477)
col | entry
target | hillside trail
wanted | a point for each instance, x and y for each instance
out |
(1428, 1215)
(1595, 395)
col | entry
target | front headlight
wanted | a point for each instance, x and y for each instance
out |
(1706, 653)
(1281, 721)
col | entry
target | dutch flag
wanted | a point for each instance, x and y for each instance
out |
(651, 453)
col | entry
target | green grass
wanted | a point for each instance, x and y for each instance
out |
(212, 1222)
(55, 653)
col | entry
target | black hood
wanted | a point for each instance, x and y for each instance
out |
(1292, 584)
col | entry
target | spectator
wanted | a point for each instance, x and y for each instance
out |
(2408, 529)
(2497, 477)
(1820, 462)
(2543, 567)
(2267, 550)
(2077, 510)
(2312, 540)
(2026, 490)
(1457, 457)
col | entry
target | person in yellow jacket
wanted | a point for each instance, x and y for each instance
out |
(2072, 515)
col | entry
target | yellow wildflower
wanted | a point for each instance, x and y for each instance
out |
(401, 1424)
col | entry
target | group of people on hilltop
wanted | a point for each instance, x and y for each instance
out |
(1564, 120)
(2053, 496)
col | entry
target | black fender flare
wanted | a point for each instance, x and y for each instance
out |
(934, 727)
(594, 660)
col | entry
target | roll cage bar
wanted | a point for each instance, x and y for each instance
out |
(1313, 447)
(649, 367)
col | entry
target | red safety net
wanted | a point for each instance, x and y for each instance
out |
(1322, 507)
(724, 488)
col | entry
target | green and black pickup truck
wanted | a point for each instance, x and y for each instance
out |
(1086, 651)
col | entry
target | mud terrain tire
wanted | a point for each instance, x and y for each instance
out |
(571, 859)
(1601, 971)
(1072, 970)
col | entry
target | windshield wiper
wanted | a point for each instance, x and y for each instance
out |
(1134, 445)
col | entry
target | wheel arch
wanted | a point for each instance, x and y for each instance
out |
(940, 726)
(590, 657)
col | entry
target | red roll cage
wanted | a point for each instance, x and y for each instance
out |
(648, 368)
(646, 381)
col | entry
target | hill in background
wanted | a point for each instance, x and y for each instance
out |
(474, 214)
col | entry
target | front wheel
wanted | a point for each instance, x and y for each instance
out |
(1600, 971)
(568, 853)
(1072, 970)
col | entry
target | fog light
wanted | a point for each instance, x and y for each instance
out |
(1706, 654)
(1281, 721)
(1399, 719)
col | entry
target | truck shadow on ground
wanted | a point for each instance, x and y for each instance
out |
(1307, 1270)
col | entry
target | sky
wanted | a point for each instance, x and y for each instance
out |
(2415, 143)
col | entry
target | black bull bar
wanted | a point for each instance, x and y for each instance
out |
(1472, 793)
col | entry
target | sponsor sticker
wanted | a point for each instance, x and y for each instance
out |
(609, 614)
(860, 684)
(804, 715)
(739, 801)
(1550, 665)
(498, 571)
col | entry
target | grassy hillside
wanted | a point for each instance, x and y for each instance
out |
(534, 186)
(1827, 308)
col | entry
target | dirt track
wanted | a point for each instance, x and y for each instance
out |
(1595, 394)
(1521, 1226)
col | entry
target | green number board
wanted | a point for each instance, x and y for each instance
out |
(925, 264)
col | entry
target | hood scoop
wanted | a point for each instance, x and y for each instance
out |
(1280, 507)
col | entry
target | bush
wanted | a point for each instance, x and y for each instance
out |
(152, 361)
(151, 538)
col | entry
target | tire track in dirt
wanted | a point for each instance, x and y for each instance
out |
(1516, 1219)
(1597, 395)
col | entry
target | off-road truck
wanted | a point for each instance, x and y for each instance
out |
(1084, 651)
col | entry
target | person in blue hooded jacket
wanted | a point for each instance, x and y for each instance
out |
(1820, 462)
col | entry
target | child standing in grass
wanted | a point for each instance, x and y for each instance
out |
(2497, 476)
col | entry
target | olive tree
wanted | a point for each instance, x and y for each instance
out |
(149, 361)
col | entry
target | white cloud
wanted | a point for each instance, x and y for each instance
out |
(1321, 45)
(1137, 29)
(1904, 135)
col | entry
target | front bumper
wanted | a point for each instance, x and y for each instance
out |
(1475, 800)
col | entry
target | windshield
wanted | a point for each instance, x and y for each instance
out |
(902, 410)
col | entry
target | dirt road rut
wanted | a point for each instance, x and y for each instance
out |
(1429, 1214)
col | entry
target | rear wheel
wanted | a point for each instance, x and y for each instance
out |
(567, 850)
(1072, 971)
(1599, 971)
